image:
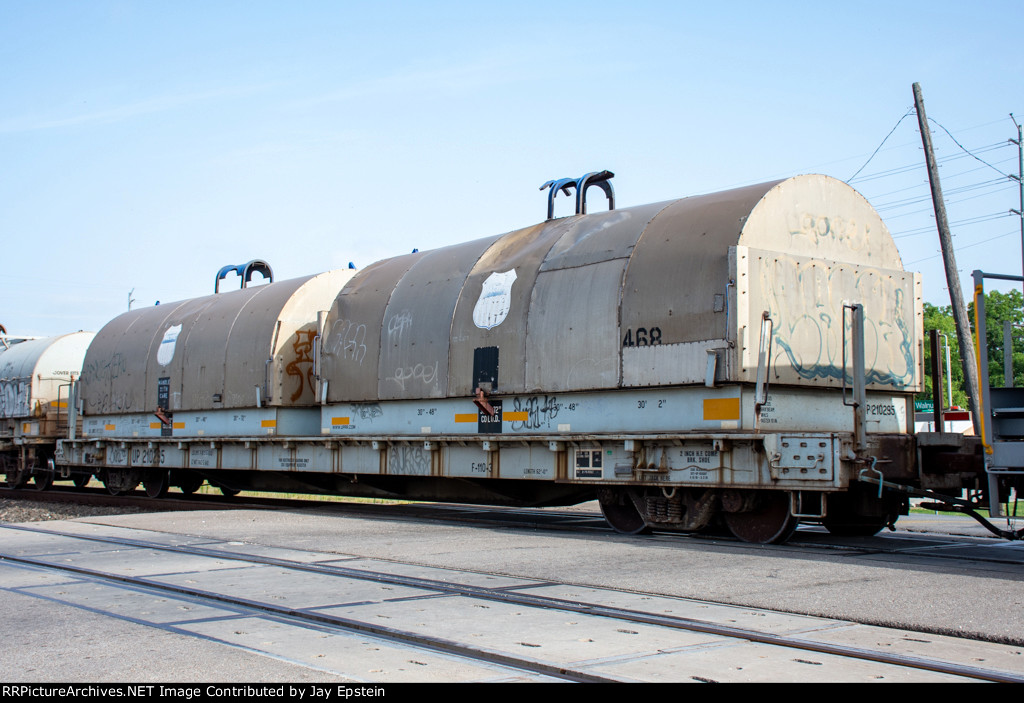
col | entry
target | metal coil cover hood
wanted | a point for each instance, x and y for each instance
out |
(634, 297)
(217, 351)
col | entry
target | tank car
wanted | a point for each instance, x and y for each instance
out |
(36, 377)
(744, 359)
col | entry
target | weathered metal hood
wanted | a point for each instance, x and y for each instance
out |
(632, 297)
(227, 350)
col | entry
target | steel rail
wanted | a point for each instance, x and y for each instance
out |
(435, 644)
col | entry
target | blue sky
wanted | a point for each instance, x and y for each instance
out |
(144, 145)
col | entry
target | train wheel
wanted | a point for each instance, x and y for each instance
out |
(228, 492)
(857, 514)
(620, 512)
(189, 484)
(842, 523)
(42, 480)
(769, 522)
(156, 482)
(81, 480)
(14, 477)
(121, 481)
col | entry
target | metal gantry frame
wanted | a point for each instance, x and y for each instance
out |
(1001, 407)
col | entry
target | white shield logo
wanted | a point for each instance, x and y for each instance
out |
(495, 298)
(165, 352)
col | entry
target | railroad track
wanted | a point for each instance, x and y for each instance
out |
(136, 499)
(934, 545)
(397, 588)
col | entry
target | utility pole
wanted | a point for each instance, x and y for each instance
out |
(1020, 183)
(1008, 327)
(956, 295)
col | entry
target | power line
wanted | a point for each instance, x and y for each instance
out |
(995, 185)
(959, 223)
(1004, 186)
(966, 246)
(966, 150)
(916, 164)
(909, 112)
(989, 189)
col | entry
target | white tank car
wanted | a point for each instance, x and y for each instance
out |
(36, 377)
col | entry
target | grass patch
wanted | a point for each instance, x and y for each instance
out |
(207, 489)
(1007, 510)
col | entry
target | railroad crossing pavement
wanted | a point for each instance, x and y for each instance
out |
(898, 579)
(62, 619)
(907, 587)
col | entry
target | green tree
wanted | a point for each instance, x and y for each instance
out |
(999, 307)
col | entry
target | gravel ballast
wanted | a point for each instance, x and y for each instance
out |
(34, 511)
